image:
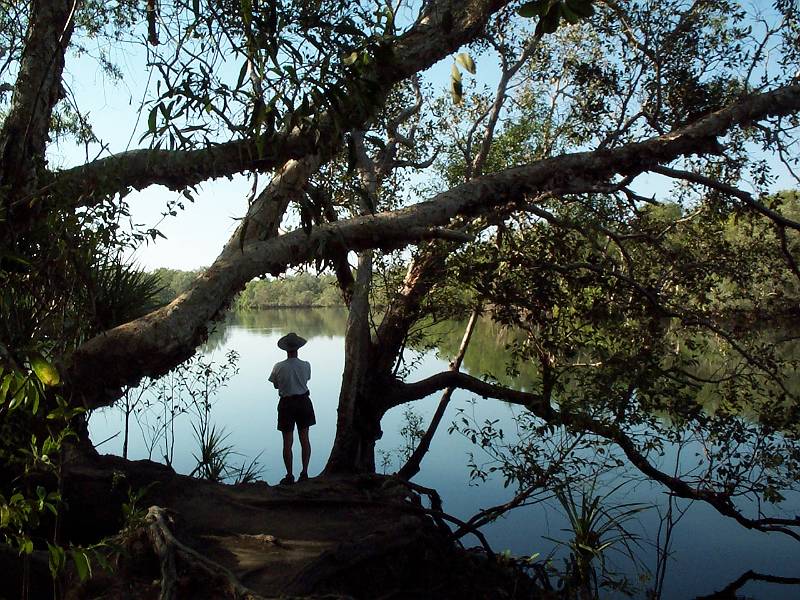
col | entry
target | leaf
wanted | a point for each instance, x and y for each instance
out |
(44, 370)
(33, 393)
(82, 563)
(457, 91)
(242, 75)
(536, 8)
(57, 558)
(5, 385)
(151, 120)
(454, 72)
(465, 60)
(350, 59)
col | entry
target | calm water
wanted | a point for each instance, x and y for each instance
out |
(710, 551)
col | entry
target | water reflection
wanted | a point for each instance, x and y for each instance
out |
(710, 551)
(320, 322)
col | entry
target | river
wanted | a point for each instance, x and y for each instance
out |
(709, 551)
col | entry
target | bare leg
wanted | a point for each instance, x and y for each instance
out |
(288, 440)
(305, 447)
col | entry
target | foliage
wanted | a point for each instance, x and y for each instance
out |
(214, 459)
(597, 530)
(300, 291)
(189, 389)
(173, 283)
(411, 432)
(303, 290)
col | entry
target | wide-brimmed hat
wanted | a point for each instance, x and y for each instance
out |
(291, 341)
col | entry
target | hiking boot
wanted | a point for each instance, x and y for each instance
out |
(288, 480)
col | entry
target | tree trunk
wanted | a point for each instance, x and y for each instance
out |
(358, 421)
(25, 130)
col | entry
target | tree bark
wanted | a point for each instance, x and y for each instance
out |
(358, 422)
(25, 132)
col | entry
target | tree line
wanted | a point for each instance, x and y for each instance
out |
(302, 290)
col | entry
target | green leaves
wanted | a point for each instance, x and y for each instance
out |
(44, 370)
(82, 563)
(550, 13)
(57, 558)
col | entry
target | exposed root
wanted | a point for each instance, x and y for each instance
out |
(170, 550)
(167, 546)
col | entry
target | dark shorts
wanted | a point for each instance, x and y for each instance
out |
(295, 410)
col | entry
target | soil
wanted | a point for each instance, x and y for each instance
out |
(361, 536)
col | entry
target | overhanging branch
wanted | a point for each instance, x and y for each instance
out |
(160, 340)
(721, 502)
(444, 26)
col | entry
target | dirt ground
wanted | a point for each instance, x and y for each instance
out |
(318, 536)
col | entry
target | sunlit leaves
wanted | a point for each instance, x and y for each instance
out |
(465, 60)
(45, 371)
(456, 86)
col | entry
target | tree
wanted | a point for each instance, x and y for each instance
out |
(542, 175)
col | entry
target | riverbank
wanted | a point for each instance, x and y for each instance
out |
(362, 536)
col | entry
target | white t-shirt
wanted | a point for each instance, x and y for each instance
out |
(290, 377)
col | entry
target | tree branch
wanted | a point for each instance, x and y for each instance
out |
(156, 342)
(25, 129)
(443, 27)
(405, 392)
(729, 190)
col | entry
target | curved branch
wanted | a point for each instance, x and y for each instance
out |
(748, 199)
(154, 343)
(407, 392)
(719, 501)
(729, 591)
(444, 26)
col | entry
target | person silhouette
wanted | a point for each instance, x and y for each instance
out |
(290, 377)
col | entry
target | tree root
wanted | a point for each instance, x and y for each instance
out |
(170, 550)
(167, 546)
(347, 556)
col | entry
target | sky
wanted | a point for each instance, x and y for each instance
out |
(197, 234)
(193, 238)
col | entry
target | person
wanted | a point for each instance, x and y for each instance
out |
(290, 377)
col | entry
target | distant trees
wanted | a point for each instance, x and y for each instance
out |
(303, 290)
